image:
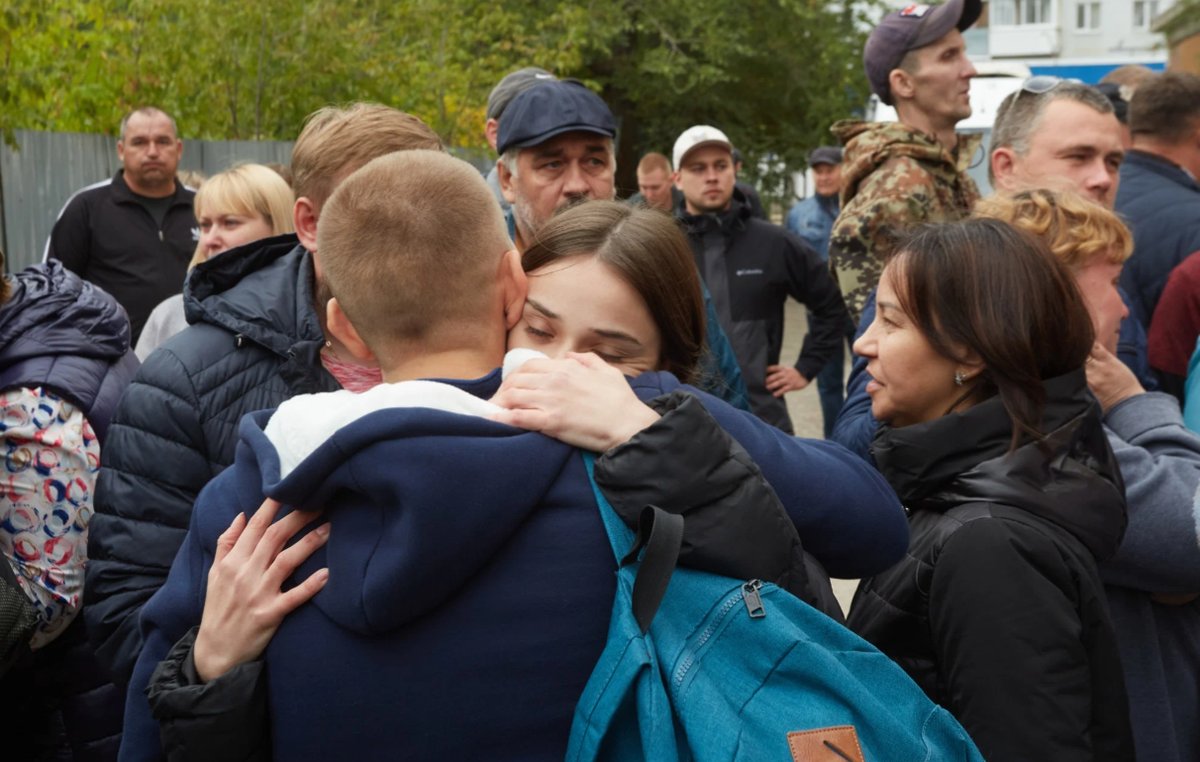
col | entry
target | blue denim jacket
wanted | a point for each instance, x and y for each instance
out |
(811, 220)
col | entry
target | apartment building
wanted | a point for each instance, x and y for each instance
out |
(1081, 39)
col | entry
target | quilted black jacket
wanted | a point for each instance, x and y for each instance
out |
(254, 341)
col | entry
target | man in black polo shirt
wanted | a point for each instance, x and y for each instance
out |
(133, 235)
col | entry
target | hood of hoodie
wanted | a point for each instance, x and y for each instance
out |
(53, 312)
(869, 144)
(1072, 479)
(262, 291)
(405, 532)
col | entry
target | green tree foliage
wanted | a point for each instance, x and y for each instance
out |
(774, 74)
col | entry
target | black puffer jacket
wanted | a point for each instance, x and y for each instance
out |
(998, 611)
(255, 341)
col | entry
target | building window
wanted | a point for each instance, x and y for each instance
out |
(1019, 12)
(1144, 13)
(1087, 17)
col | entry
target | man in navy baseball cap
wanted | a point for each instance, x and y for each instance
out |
(556, 147)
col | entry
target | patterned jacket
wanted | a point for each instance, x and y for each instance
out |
(894, 177)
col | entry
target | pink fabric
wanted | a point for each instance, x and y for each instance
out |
(355, 378)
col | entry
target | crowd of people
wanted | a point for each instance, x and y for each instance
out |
(296, 459)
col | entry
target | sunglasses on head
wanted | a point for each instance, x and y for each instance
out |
(1044, 83)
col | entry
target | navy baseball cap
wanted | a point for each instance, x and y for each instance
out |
(550, 109)
(909, 29)
(825, 155)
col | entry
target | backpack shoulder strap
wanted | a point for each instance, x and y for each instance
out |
(659, 532)
(619, 536)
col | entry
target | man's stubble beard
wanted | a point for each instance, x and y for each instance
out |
(528, 219)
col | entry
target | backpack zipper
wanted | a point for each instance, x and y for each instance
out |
(747, 594)
(753, 600)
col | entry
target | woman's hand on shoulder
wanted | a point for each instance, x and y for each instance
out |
(580, 400)
(1110, 379)
(244, 604)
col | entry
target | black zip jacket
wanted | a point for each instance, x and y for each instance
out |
(685, 463)
(751, 267)
(254, 341)
(998, 611)
(105, 236)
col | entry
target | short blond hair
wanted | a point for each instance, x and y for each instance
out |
(337, 141)
(410, 247)
(654, 162)
(1074, 228)
(249, 189)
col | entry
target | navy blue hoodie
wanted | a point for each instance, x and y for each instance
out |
(470, 577)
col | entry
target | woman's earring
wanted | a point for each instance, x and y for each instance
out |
(959, 377)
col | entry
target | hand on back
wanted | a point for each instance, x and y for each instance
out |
(245, 604)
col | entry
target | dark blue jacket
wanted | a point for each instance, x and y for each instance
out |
(812, 219)
(254, 341)
(1161, 204)
(855, 427)
(64, 334)
(469, 591)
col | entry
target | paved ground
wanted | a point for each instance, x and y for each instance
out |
(805, 408)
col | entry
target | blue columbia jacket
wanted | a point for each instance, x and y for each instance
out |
(470, 577)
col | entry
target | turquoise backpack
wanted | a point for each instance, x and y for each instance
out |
(706, 668)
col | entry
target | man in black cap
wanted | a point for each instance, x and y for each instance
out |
(556, 146)
(913, 171)
(812, 219)
(502, 94)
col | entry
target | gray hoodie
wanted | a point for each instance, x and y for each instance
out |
(1160, 643)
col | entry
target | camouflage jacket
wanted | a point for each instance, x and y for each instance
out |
(893, 177)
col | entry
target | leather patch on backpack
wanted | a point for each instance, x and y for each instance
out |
(838, 744)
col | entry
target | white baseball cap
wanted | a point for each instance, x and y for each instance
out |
(697, 137)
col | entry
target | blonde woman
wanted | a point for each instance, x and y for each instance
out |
(233, 208)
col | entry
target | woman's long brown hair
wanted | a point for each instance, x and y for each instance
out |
(649, 251)
(985, 286)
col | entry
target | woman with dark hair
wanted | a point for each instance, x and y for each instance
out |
(994, 444)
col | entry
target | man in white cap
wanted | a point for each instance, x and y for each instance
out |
(899, 174)
(750, 267)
